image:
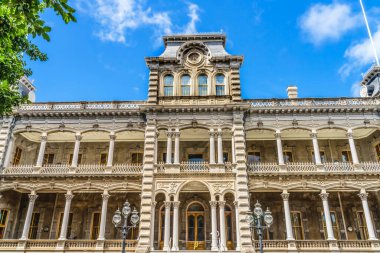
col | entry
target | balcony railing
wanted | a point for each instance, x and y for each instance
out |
(307, 167)
(82, 169)
(194, 167)
(314, 245)
(68, 245)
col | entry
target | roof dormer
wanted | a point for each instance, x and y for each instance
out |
(194, 68)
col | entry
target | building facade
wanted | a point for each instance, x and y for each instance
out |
(192, 159)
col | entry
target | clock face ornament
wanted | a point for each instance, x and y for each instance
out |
(194, 58)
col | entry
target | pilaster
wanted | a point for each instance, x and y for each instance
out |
(147, 187)
(241, 183)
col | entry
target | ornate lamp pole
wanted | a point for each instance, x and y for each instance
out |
(259, 220)
(116, 220)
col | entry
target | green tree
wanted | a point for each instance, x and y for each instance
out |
(20, 21)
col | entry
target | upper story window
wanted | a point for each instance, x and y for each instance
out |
(185, 85)
(168, 85)
(220, 85)
(202, 85)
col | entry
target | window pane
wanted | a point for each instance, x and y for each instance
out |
(168, 80)
(219, 79)
(202, 90)
(168, 91)
(254, 157)
(220, 90)
(185, 90)
(185, 80)
(202, 80)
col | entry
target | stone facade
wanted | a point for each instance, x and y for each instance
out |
(192, 159)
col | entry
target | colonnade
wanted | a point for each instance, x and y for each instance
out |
(326, 212)
(215, 245)
(218, 135)
(66, 214)
(317, 155)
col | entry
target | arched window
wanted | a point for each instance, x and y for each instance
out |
(202, 85)
(185, 85)
(168, 85)
(220, 85)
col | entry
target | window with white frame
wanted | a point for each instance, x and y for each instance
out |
(220, 85)
(168, 85)
(202, 85)
(185, 85)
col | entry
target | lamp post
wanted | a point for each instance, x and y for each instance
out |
(259, 220)
(117, 217)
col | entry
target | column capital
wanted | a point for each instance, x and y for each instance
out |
(78, 137)
(314, 135)
(112, 137)
(32, 197)
(363, 196)
(222, 203)
(176, 134)
(219, 133)
(153, 203)
(212, 133)
(324, 196)
(213, 203)
(167, 204)
(236, 203)
(105, 196)
(69, 196)
(285, 195)
(176, 204)
(157, 134)
(169, 134)
(43, 137)
(277, 135)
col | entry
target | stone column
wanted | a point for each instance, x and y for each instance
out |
(237, 227)
(41, 152)
(111, 149)
(176, 146)
(25, 232)
(317, 154)
(175, 225)
(354, 154)
(288, 220)
(326, 211)
(169, 148)
(153, 212)
(233, 149)
(66, 214)
(212, 146)
(220, 147)
(103, 219)
(280, 154)
(222, 223)
(74, 162)
(167, 226)
(9, 151)
(214, 226)
(367, 214)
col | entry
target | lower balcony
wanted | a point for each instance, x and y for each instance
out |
(319, 246)
(82, 169)
(65, 246)
(311, 168)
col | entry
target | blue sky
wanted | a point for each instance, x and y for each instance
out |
(320, 46)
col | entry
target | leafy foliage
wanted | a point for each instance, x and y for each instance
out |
(19, 22)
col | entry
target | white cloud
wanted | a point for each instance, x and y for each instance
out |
(193, 15)
(355, 90)
(117, 18)
(322, 23)
(360, 54)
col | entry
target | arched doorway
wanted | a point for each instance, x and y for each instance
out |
(195, 227)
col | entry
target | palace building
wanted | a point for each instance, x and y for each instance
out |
(193, 159)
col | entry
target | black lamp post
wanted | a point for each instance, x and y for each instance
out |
(125, 212)
(259, 220)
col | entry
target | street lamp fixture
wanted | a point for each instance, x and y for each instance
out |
(125, 212)
(259, 220)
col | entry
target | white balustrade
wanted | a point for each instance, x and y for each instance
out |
(194, 167)
(278, 103)
(263, 167)
(55, 169)
(338, 167)
(127, 168)
(371, 166)
(301, 167)
(19, 169)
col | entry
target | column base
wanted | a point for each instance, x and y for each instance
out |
(21, 244)
(320, 168)
(358, 167)
(282, 168)
(292, 246)
(99, 244)
(60, 245)
(142, 249)
(36, 169)
(217, 168)
(175, 248)
(375, 246)
(172, 168)
(108, 169)
(333, 245)
(73, 169)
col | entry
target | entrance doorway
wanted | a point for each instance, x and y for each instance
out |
(195, 227)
